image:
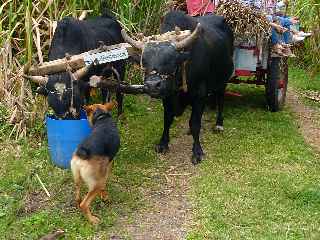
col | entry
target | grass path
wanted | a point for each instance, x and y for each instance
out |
(170, 213)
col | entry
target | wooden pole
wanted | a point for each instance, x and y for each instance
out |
(78, 61)
(75, 62)
(112, 84)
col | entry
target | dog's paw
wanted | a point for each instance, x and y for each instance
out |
(104, 195)
(94, 220)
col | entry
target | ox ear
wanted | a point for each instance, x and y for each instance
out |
(42, 91)
(183, 56)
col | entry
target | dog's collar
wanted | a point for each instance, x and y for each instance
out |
(101, 116)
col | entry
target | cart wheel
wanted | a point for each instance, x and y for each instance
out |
(277, 82)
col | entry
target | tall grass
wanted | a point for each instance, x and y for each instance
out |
(26, 30)
(139, 15)
(309, 14)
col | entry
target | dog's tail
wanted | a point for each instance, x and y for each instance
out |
(83, 152)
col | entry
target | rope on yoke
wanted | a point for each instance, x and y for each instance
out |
(184, 86)
(115, 71)
(72, 78)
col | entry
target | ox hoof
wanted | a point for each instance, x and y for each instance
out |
(196, 159)
(219, 128)
(161, 148)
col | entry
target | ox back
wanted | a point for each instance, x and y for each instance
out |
(211, 64)
(73, 36)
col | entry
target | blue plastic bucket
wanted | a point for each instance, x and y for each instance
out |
(63, 138)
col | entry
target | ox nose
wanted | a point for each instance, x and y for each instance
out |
(153, 86)
(153, 83)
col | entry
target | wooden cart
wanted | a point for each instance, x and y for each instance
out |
(256, 65)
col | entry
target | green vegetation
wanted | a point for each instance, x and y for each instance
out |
(309, 13)
(139, 16)
(260, 179)
(303, 80)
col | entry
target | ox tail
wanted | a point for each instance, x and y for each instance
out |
(105, 6)
(83, 153)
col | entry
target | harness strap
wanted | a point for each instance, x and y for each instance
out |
(115, 71)
(184, 86)
(69, 70)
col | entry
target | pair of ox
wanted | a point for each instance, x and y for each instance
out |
(203, 62)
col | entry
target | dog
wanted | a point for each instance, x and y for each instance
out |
(91, 163)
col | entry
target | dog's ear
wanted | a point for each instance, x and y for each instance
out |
(88, 109)
(110, 105)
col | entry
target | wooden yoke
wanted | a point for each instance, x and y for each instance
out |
(100, 55)
(75, 62)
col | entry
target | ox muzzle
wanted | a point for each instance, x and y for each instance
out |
(159, 86)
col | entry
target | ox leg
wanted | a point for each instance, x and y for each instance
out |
(220, 103)
(119, 94)
(168, 112)
(105, 93)
(119, 97)
(195, 126)
(87, 96)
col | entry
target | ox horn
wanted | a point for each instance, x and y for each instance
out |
(177, 30)
(81, 72)
(188, 40)
(37, 79)
(128, 39)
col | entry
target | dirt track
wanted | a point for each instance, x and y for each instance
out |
(169, 212)
(307, 118)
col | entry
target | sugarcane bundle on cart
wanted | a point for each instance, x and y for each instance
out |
(176, 5)
(246, 22)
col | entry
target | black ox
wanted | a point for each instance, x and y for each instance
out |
(207, 55)
(73, 36)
